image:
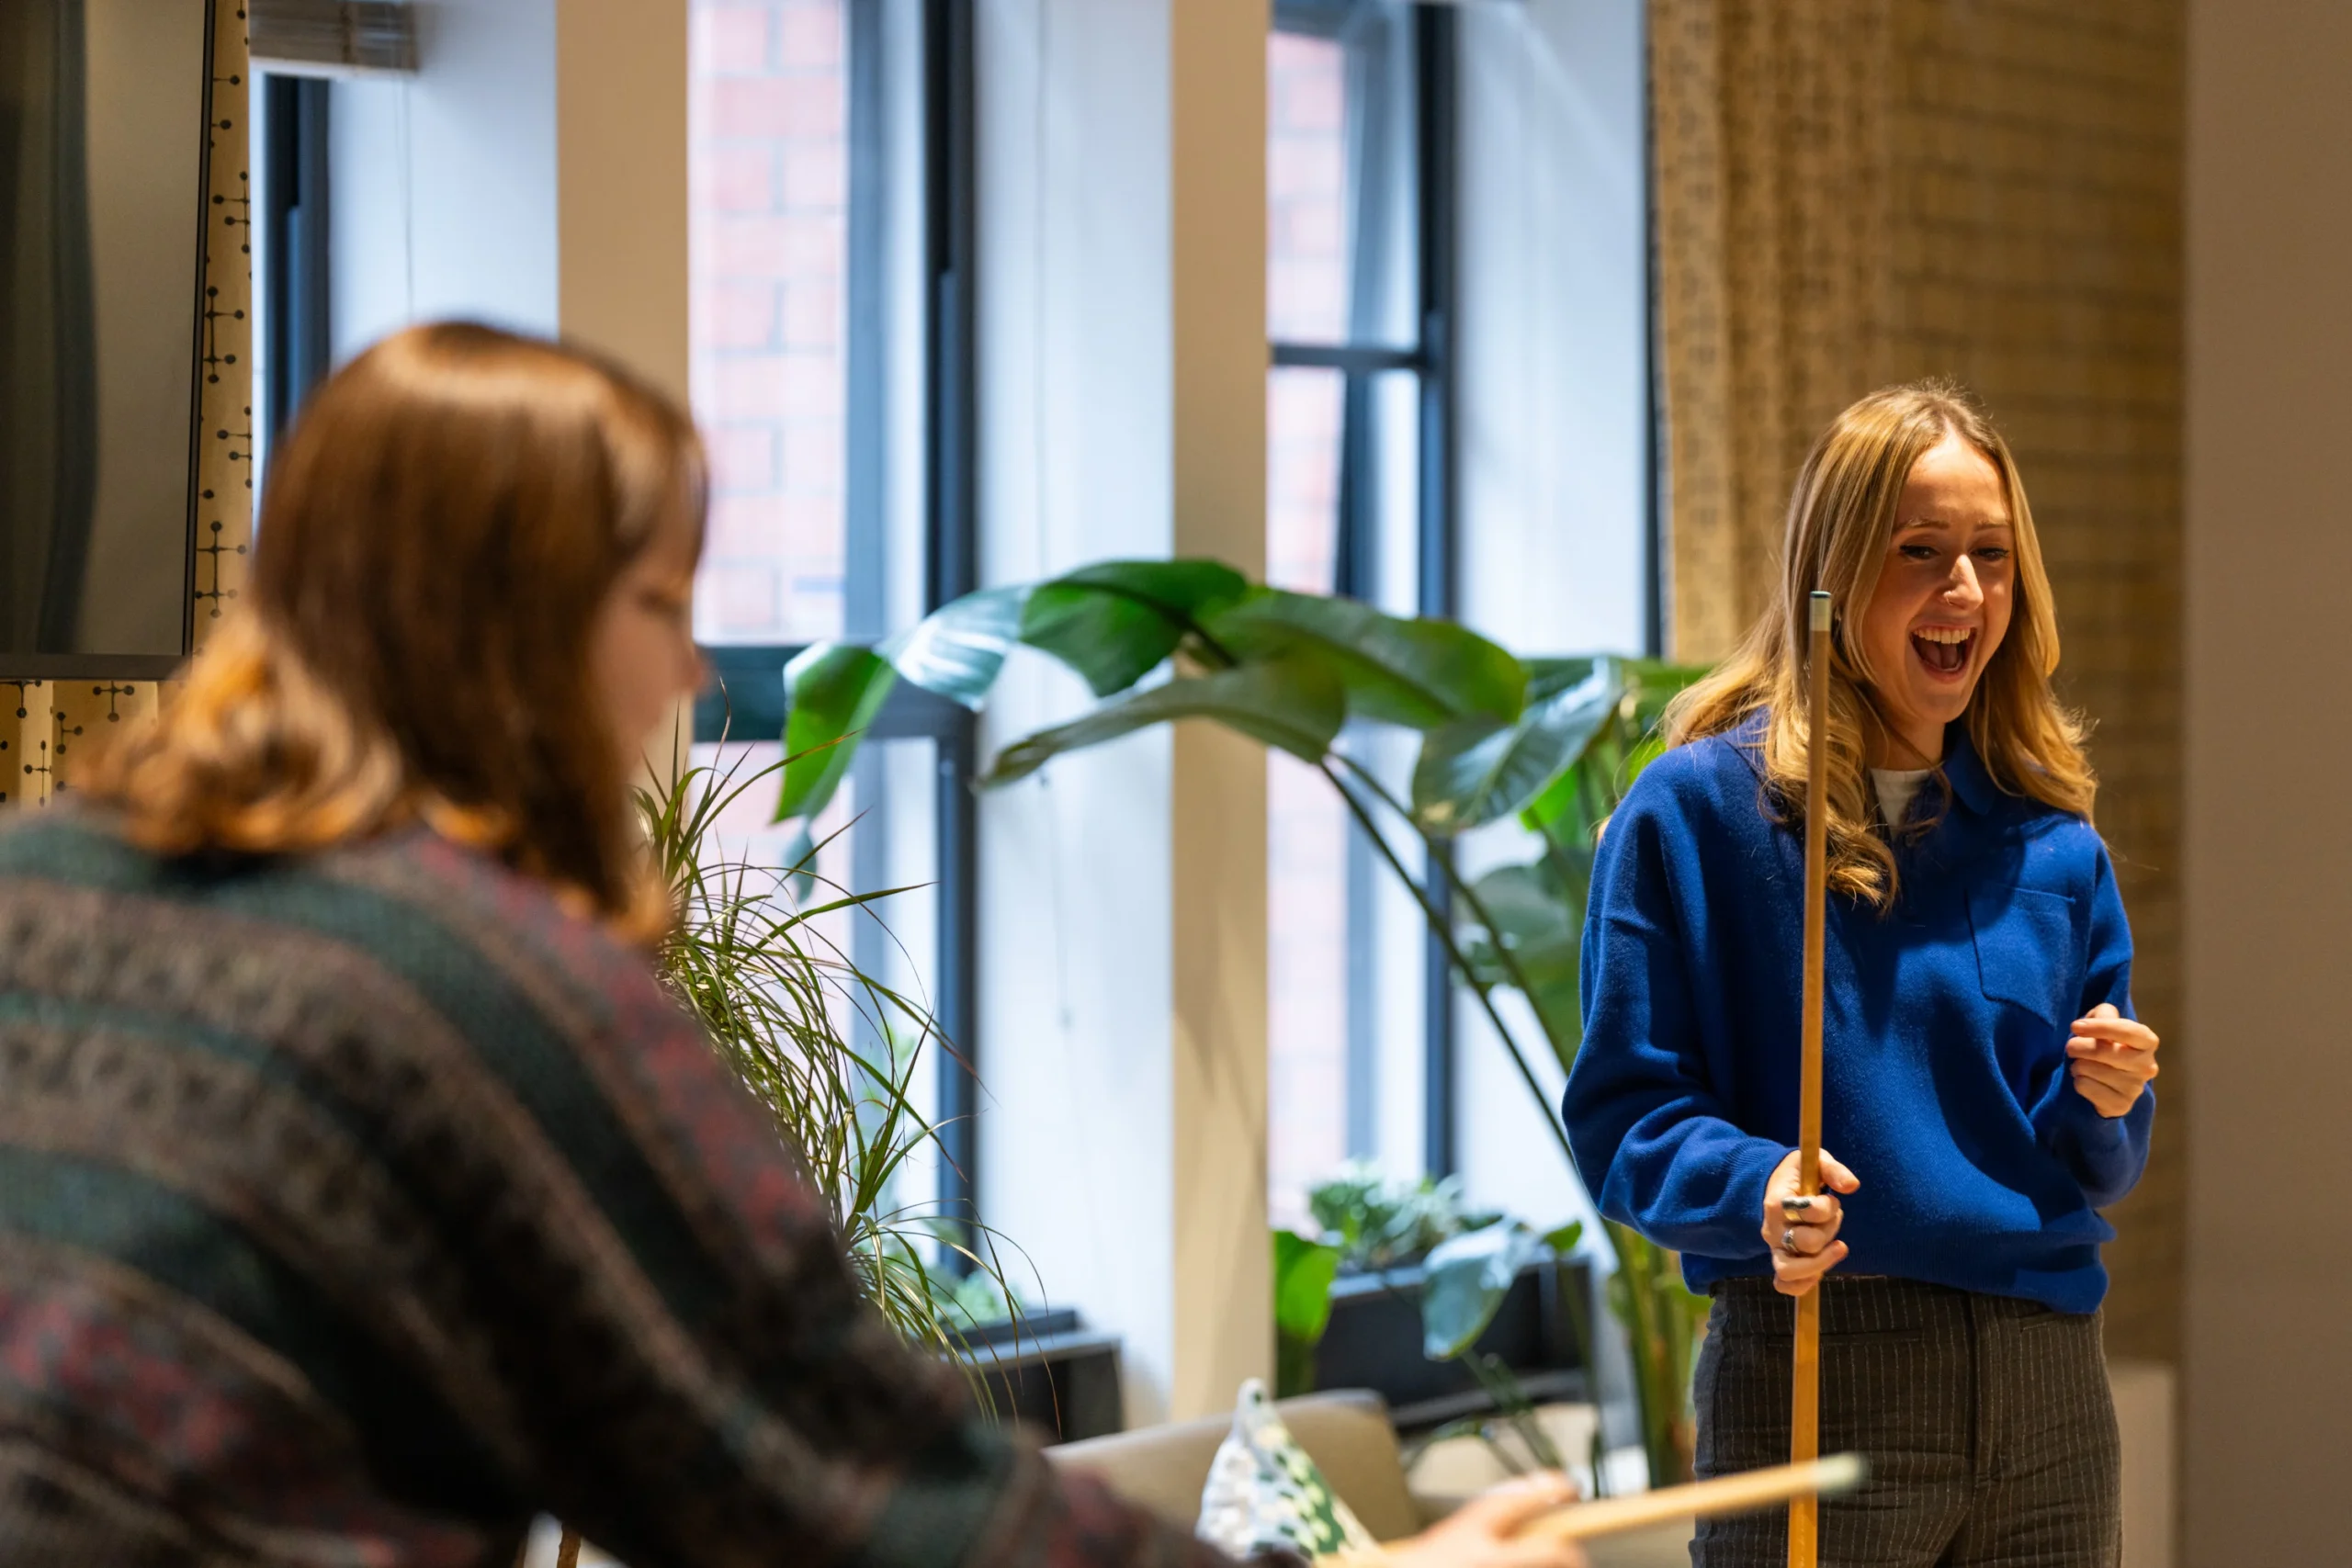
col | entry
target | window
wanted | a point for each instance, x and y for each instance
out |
(830, 168)
(1358, 272)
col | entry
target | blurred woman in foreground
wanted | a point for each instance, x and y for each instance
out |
(361, 1193)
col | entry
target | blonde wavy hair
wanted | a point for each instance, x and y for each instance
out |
(438, 532)
(1841, 523)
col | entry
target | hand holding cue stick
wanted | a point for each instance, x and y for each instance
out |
(1805, 1405)
(1699, 1499)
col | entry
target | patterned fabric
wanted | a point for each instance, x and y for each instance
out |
(354, 1208)
(1988, 1422)
(1266, 1495)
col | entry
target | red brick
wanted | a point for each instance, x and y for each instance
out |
(809, 527)
(735, 176)
(745, 386)
(744, 597)
(1308, 165)
(812, 35)
(814, 385)
(777, 106)
(743, 528)
(816, 173)
(813, 457)
(812, 313)
(788, 245)
(735, 316)
(729, 39)
(1309, 229)
(1311, 100)
(743, 462)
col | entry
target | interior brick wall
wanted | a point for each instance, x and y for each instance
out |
(2034, 190)
(1854, 192)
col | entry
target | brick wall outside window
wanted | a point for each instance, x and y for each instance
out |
(1306, 828)
(769, 167)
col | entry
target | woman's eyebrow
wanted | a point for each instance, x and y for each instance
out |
(1933, 521)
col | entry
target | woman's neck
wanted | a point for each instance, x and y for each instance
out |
(1906, 750)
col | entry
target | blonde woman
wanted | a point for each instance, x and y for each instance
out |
(1986, 1084)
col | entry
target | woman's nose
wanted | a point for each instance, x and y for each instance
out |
(1963, 587)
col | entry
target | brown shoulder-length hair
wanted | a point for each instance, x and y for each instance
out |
(437, 535)
(1841, 518)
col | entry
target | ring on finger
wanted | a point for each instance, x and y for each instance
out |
(1796, 1211)
(1789, 1242)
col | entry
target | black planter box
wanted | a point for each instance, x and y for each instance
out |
(1051, 1373)
(1375, 1342)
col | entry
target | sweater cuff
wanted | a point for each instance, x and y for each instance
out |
(1751, 1172)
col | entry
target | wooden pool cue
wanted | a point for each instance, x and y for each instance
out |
(1805, 1407)
(1699, 1500)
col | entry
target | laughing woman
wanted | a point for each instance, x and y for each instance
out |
(1987, 1086)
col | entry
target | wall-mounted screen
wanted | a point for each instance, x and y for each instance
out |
(104, 108)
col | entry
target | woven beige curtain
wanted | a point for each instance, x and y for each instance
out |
(1771, 121)
(44, 725)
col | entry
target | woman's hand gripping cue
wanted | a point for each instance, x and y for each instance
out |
(1802, 1232)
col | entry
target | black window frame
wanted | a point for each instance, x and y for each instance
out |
(1437, 522)
(295, 348)
(746, 699)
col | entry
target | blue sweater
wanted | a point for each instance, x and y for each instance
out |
(1946, 1089)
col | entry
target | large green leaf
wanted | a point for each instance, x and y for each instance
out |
(1116, 622)
(1417, 673)
(831, 692)
(1570, 809)
(958, 650)
(1473, 771)
(1464, 1281)
(1303, 1271)
(1292, 704)
(1539, 921)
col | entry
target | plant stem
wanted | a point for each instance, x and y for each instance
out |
(1463, 890)
(1443, 929)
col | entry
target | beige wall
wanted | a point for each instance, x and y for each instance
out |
(2269, 1368)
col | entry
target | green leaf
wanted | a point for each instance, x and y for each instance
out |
(1563, 1240)
(958, 650)
(1464, 1281)
(1541, 922)
(1473, 770)
(800, 863)
(1417, 673)
(1303, 1271)
(1116, 622)
(831, 692)
(1290, 704)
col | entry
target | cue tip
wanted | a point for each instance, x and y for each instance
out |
(1820, 610)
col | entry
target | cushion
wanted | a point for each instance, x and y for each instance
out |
(1163, 1468)
(1265, 1494)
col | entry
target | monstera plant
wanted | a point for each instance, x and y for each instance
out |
(1548, 743)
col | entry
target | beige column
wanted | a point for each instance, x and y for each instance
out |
(621, 209)
(621, 181)
(1223, 1318)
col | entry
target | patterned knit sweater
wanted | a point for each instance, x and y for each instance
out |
(355, 1208)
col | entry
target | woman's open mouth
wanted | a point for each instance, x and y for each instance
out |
(1944, 650)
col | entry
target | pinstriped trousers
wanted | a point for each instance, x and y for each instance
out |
(1985, 1420)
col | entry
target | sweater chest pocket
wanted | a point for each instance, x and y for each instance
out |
(2025, 949)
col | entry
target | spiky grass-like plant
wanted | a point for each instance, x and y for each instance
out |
(782, 1003)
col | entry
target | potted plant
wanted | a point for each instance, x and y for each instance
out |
(747, 957)
(1551, 743)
